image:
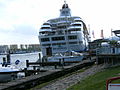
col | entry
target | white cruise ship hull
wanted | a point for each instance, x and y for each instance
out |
(64, 33)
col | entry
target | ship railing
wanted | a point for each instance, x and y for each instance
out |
(60, 33)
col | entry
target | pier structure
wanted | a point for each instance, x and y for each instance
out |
(108, 59)
(55, 64)
(44, 76)
(106, 51)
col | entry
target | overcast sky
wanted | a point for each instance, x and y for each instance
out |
(20, 20)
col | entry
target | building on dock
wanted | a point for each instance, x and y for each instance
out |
(109, 52)
(110, 46)
(106, 46)
(3, 49)
(95, 45)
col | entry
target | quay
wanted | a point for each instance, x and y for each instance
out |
(55, 64)
(42, 77)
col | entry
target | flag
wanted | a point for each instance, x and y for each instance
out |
(102, 36)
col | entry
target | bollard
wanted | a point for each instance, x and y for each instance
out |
(60, 62)
(55, 66)
(25, 71)
(34, 68)
(40, 58)
(27, 63)
(63, 62)
(8, 58)
(4, 62)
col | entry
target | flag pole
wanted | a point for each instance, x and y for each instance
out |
(111, 32)
(102, 36)
(89, 33)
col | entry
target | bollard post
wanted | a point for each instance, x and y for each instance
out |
(34, 68)
(25, 71)
(60, 62)
(8, 58)
(40, 58)
(27, 63)
(4, 61)
(63, 62)
(55, 66)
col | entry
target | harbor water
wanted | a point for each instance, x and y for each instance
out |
(32, 57)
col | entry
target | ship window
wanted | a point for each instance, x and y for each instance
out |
(44, 39)
(77, 24)
(72, 37)
(45, 27)
(76, 29)
(81, 42)
(53, 25)
(58, 38)
(72, 42)
(58, 44)
(63, 12)
(45, 44)
(61, 26)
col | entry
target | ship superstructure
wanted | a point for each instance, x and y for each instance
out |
(63, 34)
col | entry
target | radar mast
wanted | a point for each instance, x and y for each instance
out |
(65, 11)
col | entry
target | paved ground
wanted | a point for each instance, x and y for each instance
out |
(62, 84)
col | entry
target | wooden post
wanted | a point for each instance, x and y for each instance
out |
(112, 60)
(90, 57)
(43, 59)
(63, 62)
(25, 71)
(60, 62)
(34, 68)
(4, 61)
(40, 57)
(8, 58)
(55, 66)
(27, 63)
(96, 59)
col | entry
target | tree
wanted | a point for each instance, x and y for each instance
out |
(113, 43)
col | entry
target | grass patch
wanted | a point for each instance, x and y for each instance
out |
(96, 81)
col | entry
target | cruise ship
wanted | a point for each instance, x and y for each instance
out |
(65, 33)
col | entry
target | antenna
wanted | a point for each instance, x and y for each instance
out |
(65, 2)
